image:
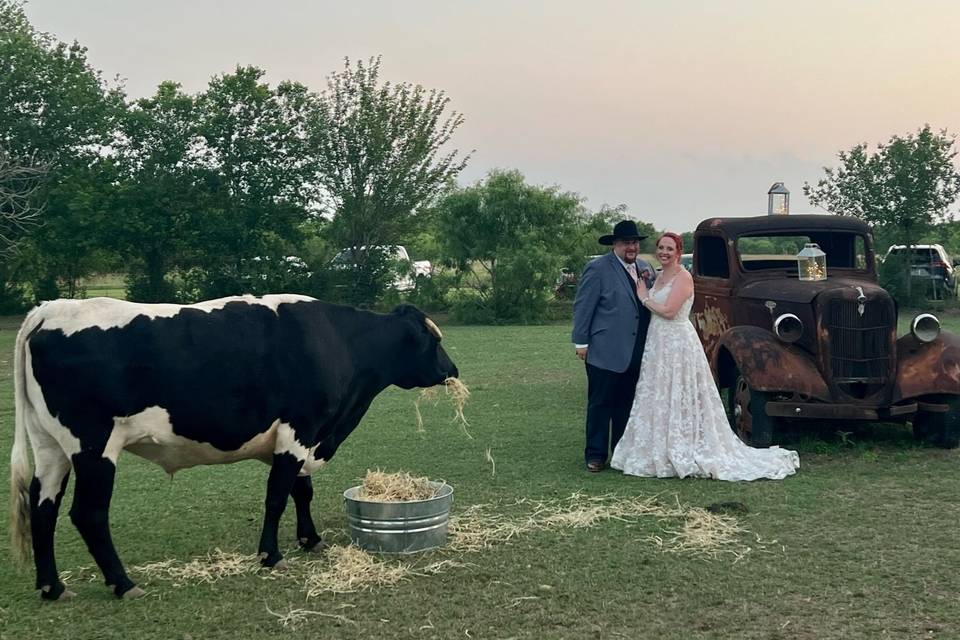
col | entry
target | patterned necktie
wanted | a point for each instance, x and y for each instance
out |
(632, 270)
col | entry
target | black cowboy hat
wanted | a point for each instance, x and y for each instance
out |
(623, 230)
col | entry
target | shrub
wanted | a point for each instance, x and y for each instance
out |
(467, 306)
(893, 274)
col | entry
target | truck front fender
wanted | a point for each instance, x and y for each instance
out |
(767, 363)
(925, 368)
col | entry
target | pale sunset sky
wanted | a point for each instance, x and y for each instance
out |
(680, 110)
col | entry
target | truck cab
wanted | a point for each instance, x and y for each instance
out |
(782, 347)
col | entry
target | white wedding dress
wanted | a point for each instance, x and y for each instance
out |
(677, 425)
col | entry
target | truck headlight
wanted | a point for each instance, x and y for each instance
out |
(925, 327)
(788, 328)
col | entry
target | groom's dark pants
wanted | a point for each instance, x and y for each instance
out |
(609, 400)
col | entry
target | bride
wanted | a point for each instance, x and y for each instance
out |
(677, 425)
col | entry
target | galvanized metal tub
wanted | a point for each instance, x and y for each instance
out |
(399, 527)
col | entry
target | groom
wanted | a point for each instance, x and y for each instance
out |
(609, 331)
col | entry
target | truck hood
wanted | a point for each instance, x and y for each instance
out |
(803, 292)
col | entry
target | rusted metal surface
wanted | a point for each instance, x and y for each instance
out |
(847, 363)
(803, 292)
(770, 365)
(928, 368)
(712, 321)
(857, 334)
(821, 411)
(734, 227)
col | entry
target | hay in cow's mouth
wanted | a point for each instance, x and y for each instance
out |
(379, 486)
(458, 393)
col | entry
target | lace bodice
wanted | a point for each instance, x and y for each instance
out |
(660, 295)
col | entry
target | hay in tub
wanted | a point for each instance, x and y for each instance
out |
(379, 486)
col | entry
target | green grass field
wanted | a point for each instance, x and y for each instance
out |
(862, 543)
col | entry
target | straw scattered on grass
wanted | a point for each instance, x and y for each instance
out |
(343, 569)
(458, 393)
(80, 574)
(295, 617)
(350, 569)
(209, 569)
(703, 533)
(493, 463)
(379, 486)
(706, 534)
(520, 599)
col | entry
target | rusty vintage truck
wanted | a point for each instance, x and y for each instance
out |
(784, 348)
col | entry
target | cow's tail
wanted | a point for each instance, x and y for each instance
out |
(20, 545)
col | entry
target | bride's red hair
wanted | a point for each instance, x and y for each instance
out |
(676, 239)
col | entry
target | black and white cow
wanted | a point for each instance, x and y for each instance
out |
(282, 378)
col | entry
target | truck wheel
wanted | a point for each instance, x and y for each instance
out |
(746, 410)
(939, 429)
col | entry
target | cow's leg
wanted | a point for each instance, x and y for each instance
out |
(283, 473)
(90, 514)
(46, 493)
(306, 531)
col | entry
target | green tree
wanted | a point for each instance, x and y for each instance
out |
(55, 105)
(262, 178)
(160, 196)
(904, 189)
(72, 241)
(59, 111)
(20, 182)
(504, 236)
(380, 152)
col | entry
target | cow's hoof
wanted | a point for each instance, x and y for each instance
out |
(269, 560)
(133, 593)
(59, 595)
(56, 593)
(312, 543)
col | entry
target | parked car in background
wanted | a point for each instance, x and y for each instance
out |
(930, 264)
(290, 264)
(268, 274)
(810, 350)
(686, 261)
(406, 270)
(565, 284)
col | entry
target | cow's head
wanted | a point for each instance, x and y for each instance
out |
(421, 361)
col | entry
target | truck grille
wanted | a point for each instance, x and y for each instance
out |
(860, 345)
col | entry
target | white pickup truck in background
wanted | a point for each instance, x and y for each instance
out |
(405, 279)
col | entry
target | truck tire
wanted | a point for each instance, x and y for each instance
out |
(746, 410)
(939, 429)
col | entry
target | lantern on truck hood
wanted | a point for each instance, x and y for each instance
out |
(812, 262)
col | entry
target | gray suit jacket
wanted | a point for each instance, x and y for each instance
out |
(606, 312)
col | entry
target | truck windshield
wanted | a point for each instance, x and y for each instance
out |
(779, 252)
